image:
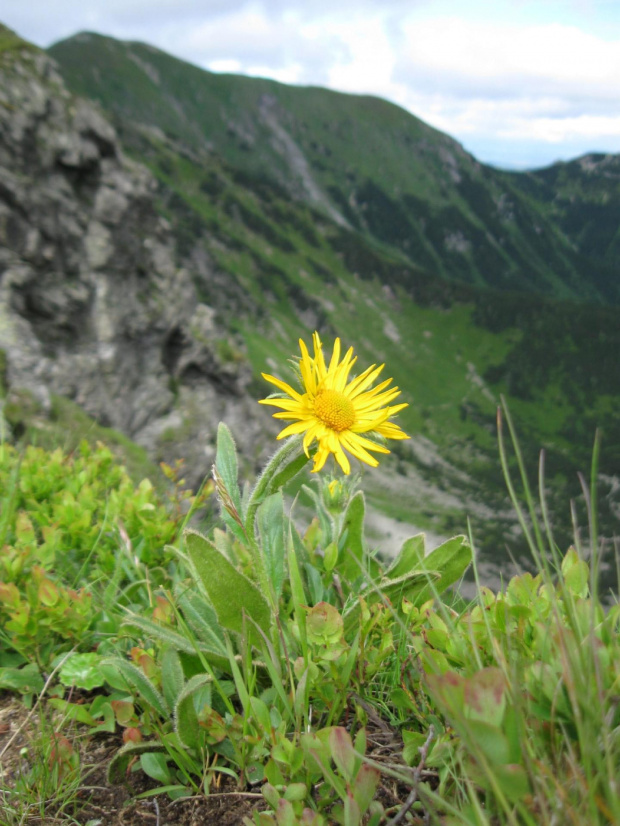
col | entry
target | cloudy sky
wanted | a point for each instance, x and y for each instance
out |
(521, 83)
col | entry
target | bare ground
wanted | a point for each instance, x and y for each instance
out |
(97, 803)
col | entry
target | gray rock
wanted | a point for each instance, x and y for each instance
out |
(94, 304)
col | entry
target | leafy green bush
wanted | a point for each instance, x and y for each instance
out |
(72, 524)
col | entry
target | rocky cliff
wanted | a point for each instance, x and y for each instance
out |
(93, 303)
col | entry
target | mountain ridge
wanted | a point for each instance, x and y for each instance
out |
(391, 178)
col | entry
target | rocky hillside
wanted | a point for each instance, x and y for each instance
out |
(93, 304)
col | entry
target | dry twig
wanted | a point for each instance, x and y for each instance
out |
(417, 774)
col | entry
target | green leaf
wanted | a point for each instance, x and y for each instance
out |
(73, 711)
(576, 574)
(82, 671)
(352, 814)
(144, 687)
(410, 555)
(285, 813)
(392, 590)
(230, 592)
(413, 740)
(261, 714)
(342, 752)
(485, 696)
(226, 465)
(288, 472)
(351, 565)
(297, 587)
(324, 624)
(119, 765)
(491, 741)
(512, 780)
(216, 653)
(272, 526)
(101, 707)
(186, 716)
(202, 619)
(172, 678)
(155, 766)
(330, 556)
(174, 792)
(26, 680)
(451, 559)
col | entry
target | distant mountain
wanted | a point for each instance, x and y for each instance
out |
(363, 162)
(582, 197)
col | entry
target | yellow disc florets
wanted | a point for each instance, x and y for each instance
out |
(334, 409)
(337, 411)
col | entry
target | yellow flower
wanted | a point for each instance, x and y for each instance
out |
(336, 411)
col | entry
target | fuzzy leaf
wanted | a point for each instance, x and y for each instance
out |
(143, 686)
(172, 679)
(409, 557)
(226, 465)
(186, 716)
(230, 592)
(202, 619)
(272, 526)
(352, 562)
(288, 472)
(450, 560)
(167, 635)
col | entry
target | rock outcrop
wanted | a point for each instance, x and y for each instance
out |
(93, 303)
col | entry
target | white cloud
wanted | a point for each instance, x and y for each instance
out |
(280, 48)
(459, 54)
(550, 84)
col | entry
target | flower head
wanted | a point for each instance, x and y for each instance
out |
(335, 410)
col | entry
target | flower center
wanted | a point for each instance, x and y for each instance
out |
(334, 409)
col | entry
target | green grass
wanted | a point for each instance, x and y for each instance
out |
(500, 711)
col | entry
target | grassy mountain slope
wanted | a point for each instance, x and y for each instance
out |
(279, 256)
(365, 163)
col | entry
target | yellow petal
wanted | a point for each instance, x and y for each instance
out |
(306, 366)
(283, 386)
(294, 429)
(367, 380)
(350, 441)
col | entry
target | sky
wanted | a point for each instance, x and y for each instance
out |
(520, 83)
